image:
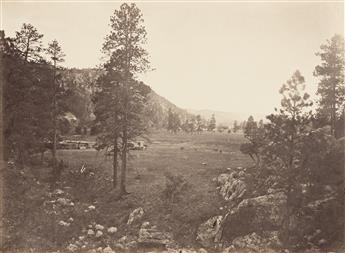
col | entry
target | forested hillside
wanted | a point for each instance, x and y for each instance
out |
(82, 82)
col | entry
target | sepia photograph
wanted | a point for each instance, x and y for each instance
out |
(176, 126)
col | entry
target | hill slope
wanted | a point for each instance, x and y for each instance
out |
(82, 82)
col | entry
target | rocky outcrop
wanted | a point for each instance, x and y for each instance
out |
(209, 232)
(263, 213)
(231, 186)
(135, 215)
(255, 243)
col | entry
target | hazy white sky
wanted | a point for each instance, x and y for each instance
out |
(221, 56)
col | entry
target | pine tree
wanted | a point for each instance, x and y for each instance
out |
(126, 55)
(29, 43)
(56, 55)
(25, 83)
(331, 86)
(285, 135)
(212, 123)
(199, 124)
(107, 100)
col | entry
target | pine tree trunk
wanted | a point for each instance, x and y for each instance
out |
(54, 128)
(124, 163)
(54, 147)
(333, 112)
(115, 163)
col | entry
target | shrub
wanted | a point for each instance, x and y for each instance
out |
(175, 185)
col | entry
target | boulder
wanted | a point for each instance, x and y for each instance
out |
(63, 201)
(209, 232)
(112, 230)
(231, 186)
(99, 227)
(99, 233)
(263, 213)
(90, 232)
(135, 215)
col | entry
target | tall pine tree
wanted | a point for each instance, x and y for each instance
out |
(331, 86)
(126, 57)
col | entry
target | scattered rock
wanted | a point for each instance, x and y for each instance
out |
(63, 223)
(99, 233)
(90, 232)
(62, 201)
(135, 215)
(99, 227)
(58, 192)
(208, 232)
(72, 247)
(108, 250)
(91, 207)
(112, 230)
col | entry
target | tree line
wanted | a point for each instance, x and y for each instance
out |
(34, 95)
(301, 151)
(192, 124)
(37, 92)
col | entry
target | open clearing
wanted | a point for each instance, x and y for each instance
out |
(198, 158)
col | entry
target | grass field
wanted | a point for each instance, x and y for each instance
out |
(198, 158)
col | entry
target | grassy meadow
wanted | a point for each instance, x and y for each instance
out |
(197, 158)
